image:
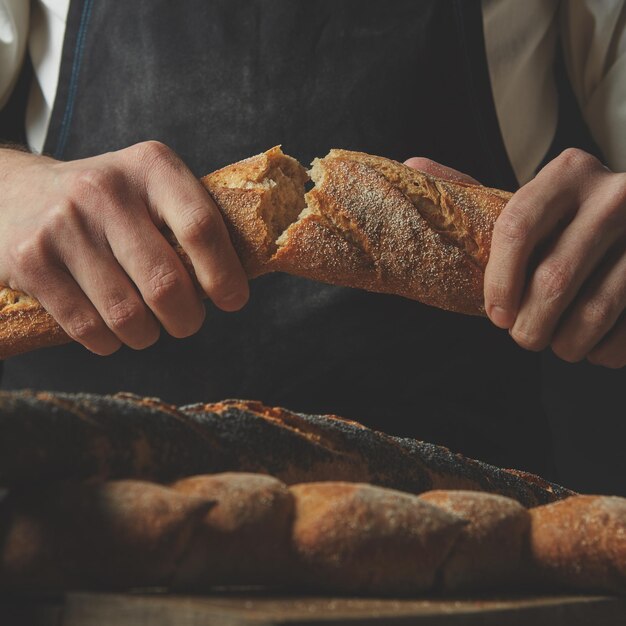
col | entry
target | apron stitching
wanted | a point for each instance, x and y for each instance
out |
(69, 109)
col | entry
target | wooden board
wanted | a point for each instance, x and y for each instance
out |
(102, 609)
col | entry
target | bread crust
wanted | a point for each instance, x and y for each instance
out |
(580, 543)
(379, 225)
(25, 325)
(244, 539)
(116, 535)
(356, 538)
(369, 223)
(48, 436)
(244, 193)
(490, 550)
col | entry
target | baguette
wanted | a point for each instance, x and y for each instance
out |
(490, 550)
(58, 436)
(369, 223)
(115, 535)
(245, 537)
(580, 543)
(356, 538)
(241, 529)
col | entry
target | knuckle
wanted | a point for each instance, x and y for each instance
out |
(91, 183)
(164, 286)
(83, 328)
(199, 226)
(123, 313)
(511, 227)
(27, 255)
(576, 159)
(155, 154)
(553, 279)
(60, 217)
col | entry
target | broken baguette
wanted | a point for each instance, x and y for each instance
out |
(368, 222)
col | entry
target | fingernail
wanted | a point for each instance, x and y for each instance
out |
(500, 316)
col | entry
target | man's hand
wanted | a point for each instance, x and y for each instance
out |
(557, 270)
(83, 238)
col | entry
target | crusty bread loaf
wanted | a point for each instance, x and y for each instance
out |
(337, 537)
(58, 436)
(369, 222)
(580, 543)
(114, 535)
(356, 538)
(489, 553)
(258, 198)
(379, 225)
(244, 538)
(25, 325)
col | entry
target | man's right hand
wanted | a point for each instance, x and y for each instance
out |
(83, 238)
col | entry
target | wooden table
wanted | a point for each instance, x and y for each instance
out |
(104, 609)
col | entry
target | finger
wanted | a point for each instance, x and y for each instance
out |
(533, 213)
(111, 292)
(440, 171)
(73, 311)
(611, 351)
(559, 276)
(181, 201)
(594, 313)
(158, 273)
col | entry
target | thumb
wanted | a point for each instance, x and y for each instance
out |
(440, 171)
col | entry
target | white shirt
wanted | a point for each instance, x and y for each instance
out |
(520, 41)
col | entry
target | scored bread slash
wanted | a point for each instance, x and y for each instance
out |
(368, 223)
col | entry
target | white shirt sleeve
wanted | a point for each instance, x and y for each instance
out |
(14, 16)
(594, 45)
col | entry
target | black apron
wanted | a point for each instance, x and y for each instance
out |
(219, 80)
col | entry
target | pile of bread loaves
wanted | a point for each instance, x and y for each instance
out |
(125, 492)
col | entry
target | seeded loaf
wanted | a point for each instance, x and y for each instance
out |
(59, 436)
(368, 222)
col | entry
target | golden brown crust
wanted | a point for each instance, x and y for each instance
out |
(258, 197)
(371, 223)
(357, 538)
(385, 227)
(489, 551)
(580, 543)
(115, 535)
(244, 539)
(25, 325)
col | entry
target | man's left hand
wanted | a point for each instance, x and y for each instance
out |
(556, 274)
